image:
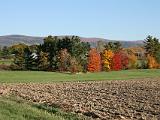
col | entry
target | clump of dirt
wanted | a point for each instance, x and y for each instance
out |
(4, 89)
(121, 100)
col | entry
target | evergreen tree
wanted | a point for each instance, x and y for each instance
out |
(114, 46)
(29, 59)
(5, 52)
(151, 45)
(50, 46)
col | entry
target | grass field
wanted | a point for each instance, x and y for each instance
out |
(18, 110)
(12, 108)
(42, 77)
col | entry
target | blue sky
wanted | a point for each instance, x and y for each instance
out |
(112, 19)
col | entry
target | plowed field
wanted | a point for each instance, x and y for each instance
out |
(122, 99)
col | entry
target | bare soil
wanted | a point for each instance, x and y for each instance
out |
(107, 100)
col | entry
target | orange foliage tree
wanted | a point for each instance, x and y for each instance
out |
(132, 61)
(94, 61)
(152, 63)
(107, 56)
(132, 58)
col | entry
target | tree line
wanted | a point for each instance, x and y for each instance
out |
(70, 54)
(55, 54)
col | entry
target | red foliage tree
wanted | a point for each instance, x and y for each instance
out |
(124, 60)
(94, 61)
(120, 61)
(117, 61)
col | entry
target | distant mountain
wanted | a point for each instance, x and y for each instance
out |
(9, 40)
(126, 44)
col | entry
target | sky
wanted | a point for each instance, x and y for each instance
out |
(110, 19)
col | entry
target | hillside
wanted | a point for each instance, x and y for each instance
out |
(9, 40)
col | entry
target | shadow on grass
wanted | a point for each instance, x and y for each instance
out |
(55, 109)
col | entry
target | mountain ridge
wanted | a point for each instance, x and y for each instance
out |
(8, 40)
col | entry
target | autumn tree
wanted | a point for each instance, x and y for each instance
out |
(63, 60)
(120, 61)
(94, 61)
(132, 59)
(75, 47)
(107, 56)
(117, 61)
(19, 60)
(152, 47)
(24, 57)
(74, 67)
(42, 60)
(152, 63)
(124, 60)
(68, 63)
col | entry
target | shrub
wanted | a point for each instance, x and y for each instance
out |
(142, 64)
(5, 67)
(15, 67)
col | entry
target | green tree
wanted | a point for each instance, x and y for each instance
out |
(100, 46)
(30, 59)
(114, 46)
(50, 46)
(158, 56)
(117, 46)
(73, 45)
(42, 60)
(151, 45)
(19, 61)
(5, 52)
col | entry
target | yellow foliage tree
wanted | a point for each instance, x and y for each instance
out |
(107, 56)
